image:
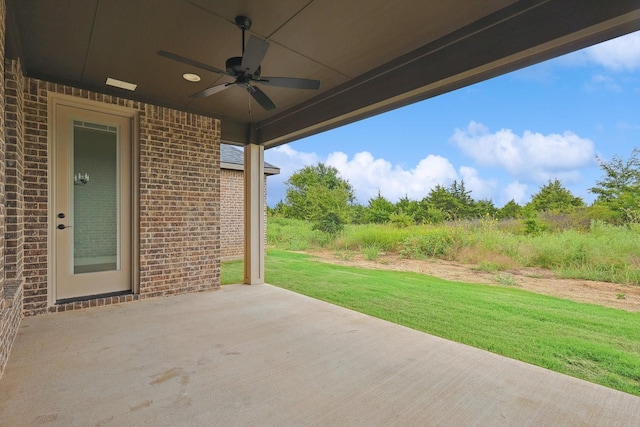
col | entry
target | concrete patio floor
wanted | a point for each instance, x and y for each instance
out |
(260, 355)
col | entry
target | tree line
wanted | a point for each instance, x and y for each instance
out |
(320, 195)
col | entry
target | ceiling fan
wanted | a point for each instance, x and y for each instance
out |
(245, 70)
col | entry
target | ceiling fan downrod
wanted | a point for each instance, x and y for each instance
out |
(244, 23)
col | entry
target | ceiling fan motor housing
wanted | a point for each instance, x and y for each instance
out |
(234, 67)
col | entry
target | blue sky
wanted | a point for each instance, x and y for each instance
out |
(504, 137)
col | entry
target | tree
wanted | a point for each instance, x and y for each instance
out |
(619, 190)
(460, 192)
(358, 214)
(432, 216)
(379, 210)
(455, 201)
(439, 198)
(485, 208)
(554, 197)
(407, 206)
(318, 194)
(510, 210)
(328, 208)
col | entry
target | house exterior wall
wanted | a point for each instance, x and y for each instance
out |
(11, 236)
(179, 199)
(232, 213)
(179, 202)
(14, 172)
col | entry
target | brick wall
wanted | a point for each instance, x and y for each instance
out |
(10, 317)
(11, 309)
(3, 13)
(35, 198)
(232, 213)
(10, 193)
(179, 202)
(14, 172)
(179, 199)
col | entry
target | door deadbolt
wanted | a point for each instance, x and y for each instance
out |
(61, 215)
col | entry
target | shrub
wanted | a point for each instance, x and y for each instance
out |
(488, 266)
(371, 252)
(294, 234)
(434, 243)
(560, 221)
(383, 236)
(533, 227)
(434, 216)
(330, 223)
(511, 226)
(604, 213)
(401, 219)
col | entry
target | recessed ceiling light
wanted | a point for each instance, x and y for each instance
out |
(191, 77)
(120, 84)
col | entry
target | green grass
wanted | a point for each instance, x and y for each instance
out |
(232, 272)
(603, 252)
(506, 280)
(383, 236)
(294, 234)
(371, 252)
(594, 343)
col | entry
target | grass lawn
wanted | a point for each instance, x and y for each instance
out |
(598, 344)
(232, 272)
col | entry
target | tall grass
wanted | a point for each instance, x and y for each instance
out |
(385, 237)
(294, 235)
(603, 252)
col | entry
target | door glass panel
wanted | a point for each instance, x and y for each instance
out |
(96, 209)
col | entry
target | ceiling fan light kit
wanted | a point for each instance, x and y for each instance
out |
(246, 70)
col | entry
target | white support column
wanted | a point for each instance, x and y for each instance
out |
(254, 226)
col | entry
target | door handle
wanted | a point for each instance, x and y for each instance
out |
(62, 226)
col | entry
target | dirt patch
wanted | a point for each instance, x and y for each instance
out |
(625, 297)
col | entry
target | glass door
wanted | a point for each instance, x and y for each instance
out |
(92, 203)
(96, 223)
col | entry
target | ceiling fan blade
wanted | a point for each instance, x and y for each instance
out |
(211, 90)
(191, 62)
(261, 98)
(254, 54)
(290, 82)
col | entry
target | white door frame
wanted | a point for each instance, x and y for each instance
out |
(53, 101)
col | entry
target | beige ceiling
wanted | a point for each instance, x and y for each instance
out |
(369, 55)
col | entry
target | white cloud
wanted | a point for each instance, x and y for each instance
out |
(290, 160)
(369, 175)
(620, 54)
(529, 157)
(515, 191)
(613, 63)
(480, 188)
